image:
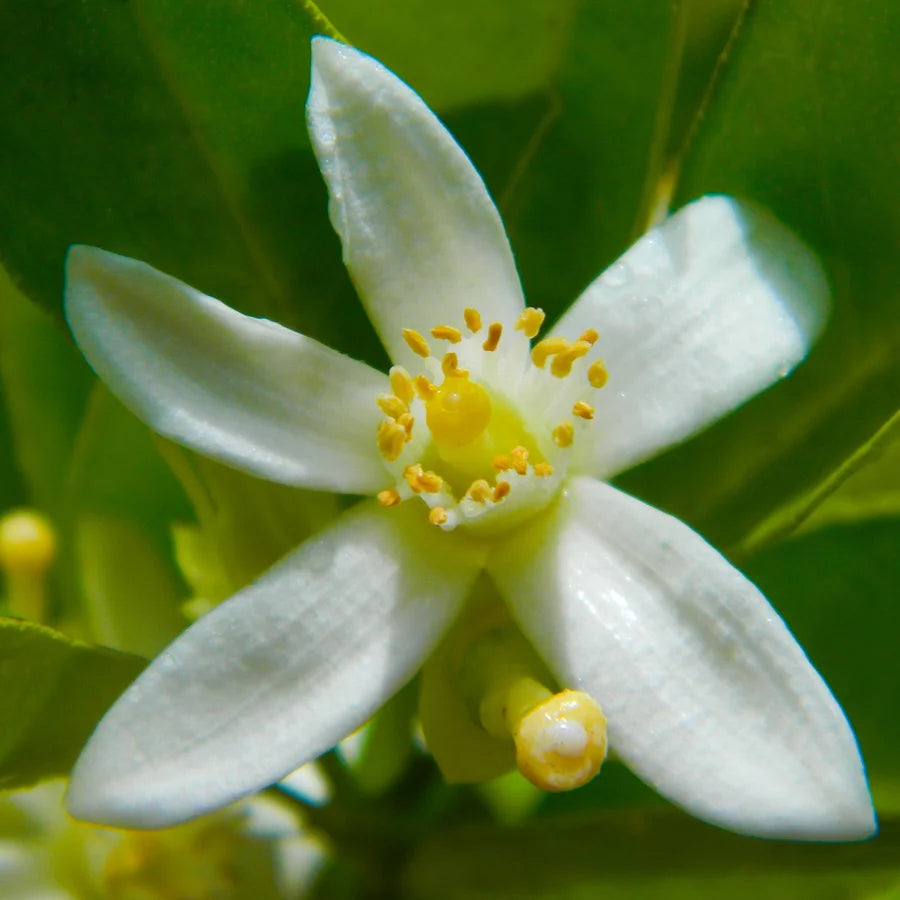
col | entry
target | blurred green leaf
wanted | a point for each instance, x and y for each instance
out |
(54, 692)
(45, 385)
(805, 122)
(837, 590)
(642, 855)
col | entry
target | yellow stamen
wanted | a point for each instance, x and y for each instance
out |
(421, 481)
(437, 515)
(500, 491)
(473, 319)
(450, 367)
(501, 462)
(446, 333)
(391, 406)
(391, 437)
(546, 348)
(402, 384)
(27, 550)
(406, 422)
(416, 343)
(542, 469)
(479, 490)
(562, 362)
(590, 336)
(495, 330)
(388, 498)
(530, 321)
(597, 374)
(424, 388)
(561, 742)
(519, 460)
(583, 410)
(563, 434)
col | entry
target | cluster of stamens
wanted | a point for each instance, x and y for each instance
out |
(459, 410)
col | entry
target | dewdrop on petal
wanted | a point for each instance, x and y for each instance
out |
(561, 743)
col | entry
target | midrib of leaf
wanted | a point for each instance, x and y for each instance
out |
(228, 192)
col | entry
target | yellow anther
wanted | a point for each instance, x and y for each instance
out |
(416, 343)
(391, 406)
(27, 543)
(583, 410)
(424, 388)
(437, 515)
(388, 498)
(479, 490)
(501, 462)
(563, 434)
(420, 481)
(546, 348)
(495, 330)
(450, 367)
(562, 362)
(406, 422)
(473, 319)
(561, 743)
(519, 459)
(391, 437)
(590, 336)
(446, 333)
(597, 374)
(402, 384)
(542, 469)
(500, 491)
(530, 321)
(459, 411)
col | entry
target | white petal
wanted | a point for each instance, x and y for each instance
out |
(246, 391)
(709, 698)
(277, 674)
(699, 315)
(421, 236)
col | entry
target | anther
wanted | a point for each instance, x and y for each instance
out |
(406, 422)
(583, 410)
(530, 321)
(402, 384)
(416, 343)
(500, 491)
(437, 515)
(562, 362)
(597, 374)
(563, 434)
(543, 469)
(388, 498)
(546, 348)
(420, 481)
(424, 388)
(501, 462)
(495, 330)
(479, 490)
(450, 367)
(519, 459)
(446, 333)
(590, 336)
(473, 319)
(391, 405)
(391, 437)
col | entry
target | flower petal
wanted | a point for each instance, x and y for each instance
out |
(246, 391)
(277, 674)
(709, 698)
(421, 236)
(699, 315)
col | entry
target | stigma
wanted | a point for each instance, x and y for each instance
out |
(483, 433)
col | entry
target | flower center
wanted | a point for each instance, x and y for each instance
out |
(494, 430)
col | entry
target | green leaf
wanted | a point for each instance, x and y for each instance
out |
(643, 855)
(804, 121)
(54, 692)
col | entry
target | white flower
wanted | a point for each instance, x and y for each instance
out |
(708, 696)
